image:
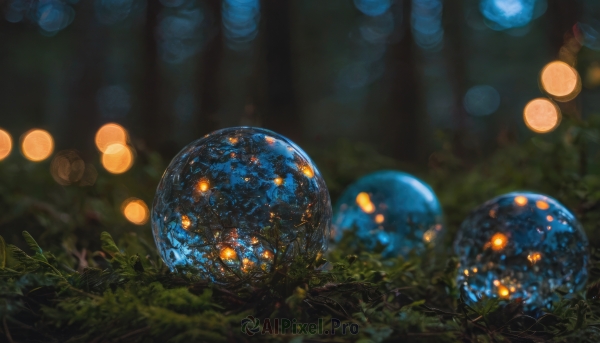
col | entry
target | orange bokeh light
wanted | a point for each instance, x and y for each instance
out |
(117, 158)
(5, 144)
(364, 202)
(136, 211)
(560, 80)
(109, 134)
(541, 115)
(503, 292)
(498, 241)
(37, 145)
(379, 218)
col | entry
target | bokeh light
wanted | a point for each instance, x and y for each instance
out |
(180, 33)
(50, 15)
(372, 7)
(117, 159)
(240, 22)
(53, 16)
(37, 145)
(67, 167)
(541, 115)
(136, 211)
(560, 80)
(481, 100)
(5, 144)
(506, 14)
(426, 23)
(109, 134)
(588, 33)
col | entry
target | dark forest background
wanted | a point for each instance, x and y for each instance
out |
(390, 73)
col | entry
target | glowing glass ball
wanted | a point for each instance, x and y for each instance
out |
(521, 245)
(390, 209)
(239, 204)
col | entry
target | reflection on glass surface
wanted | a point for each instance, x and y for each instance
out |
(239, 203)
(527, 250)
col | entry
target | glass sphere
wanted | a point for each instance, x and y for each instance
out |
(239, 204)
(392, 210)
(521, 245)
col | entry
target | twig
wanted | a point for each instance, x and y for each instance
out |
(6, 332)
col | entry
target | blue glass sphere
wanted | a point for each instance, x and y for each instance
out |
(391, 210)
(521, 245)
(240, 204)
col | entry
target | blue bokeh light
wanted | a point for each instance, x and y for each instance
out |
(180, 34)
(53, 16)
(426, 23)
(481, 100)
(240, 22)
(505, 14)
(372, 7)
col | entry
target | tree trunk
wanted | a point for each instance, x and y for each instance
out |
(153, 124)
(209, 71)
(281, 114)
(91, 42)
(400, 123)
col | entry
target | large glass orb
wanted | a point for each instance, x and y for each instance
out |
(521, 245)
(240, 204)
(389, 210)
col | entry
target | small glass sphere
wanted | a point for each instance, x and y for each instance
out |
(392, 210)
(521, 245)
(239, 204)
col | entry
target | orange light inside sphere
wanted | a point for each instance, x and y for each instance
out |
(5, 144)
(560, 80)
(228, 254)
(203, 185)
(379, 218)
(117, 158)
(542, 205)
(136, 211)
(498, 241)
(503, 292)
(110, 134)
(534, 257)
(37, 145)
(364, 202)
(185, 221)
(521, 200)
(541, 115)
(307, 170)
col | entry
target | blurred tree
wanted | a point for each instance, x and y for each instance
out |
(400, 122)
(281, 114)
(210, 63)
(152, 122)
(86, 75)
